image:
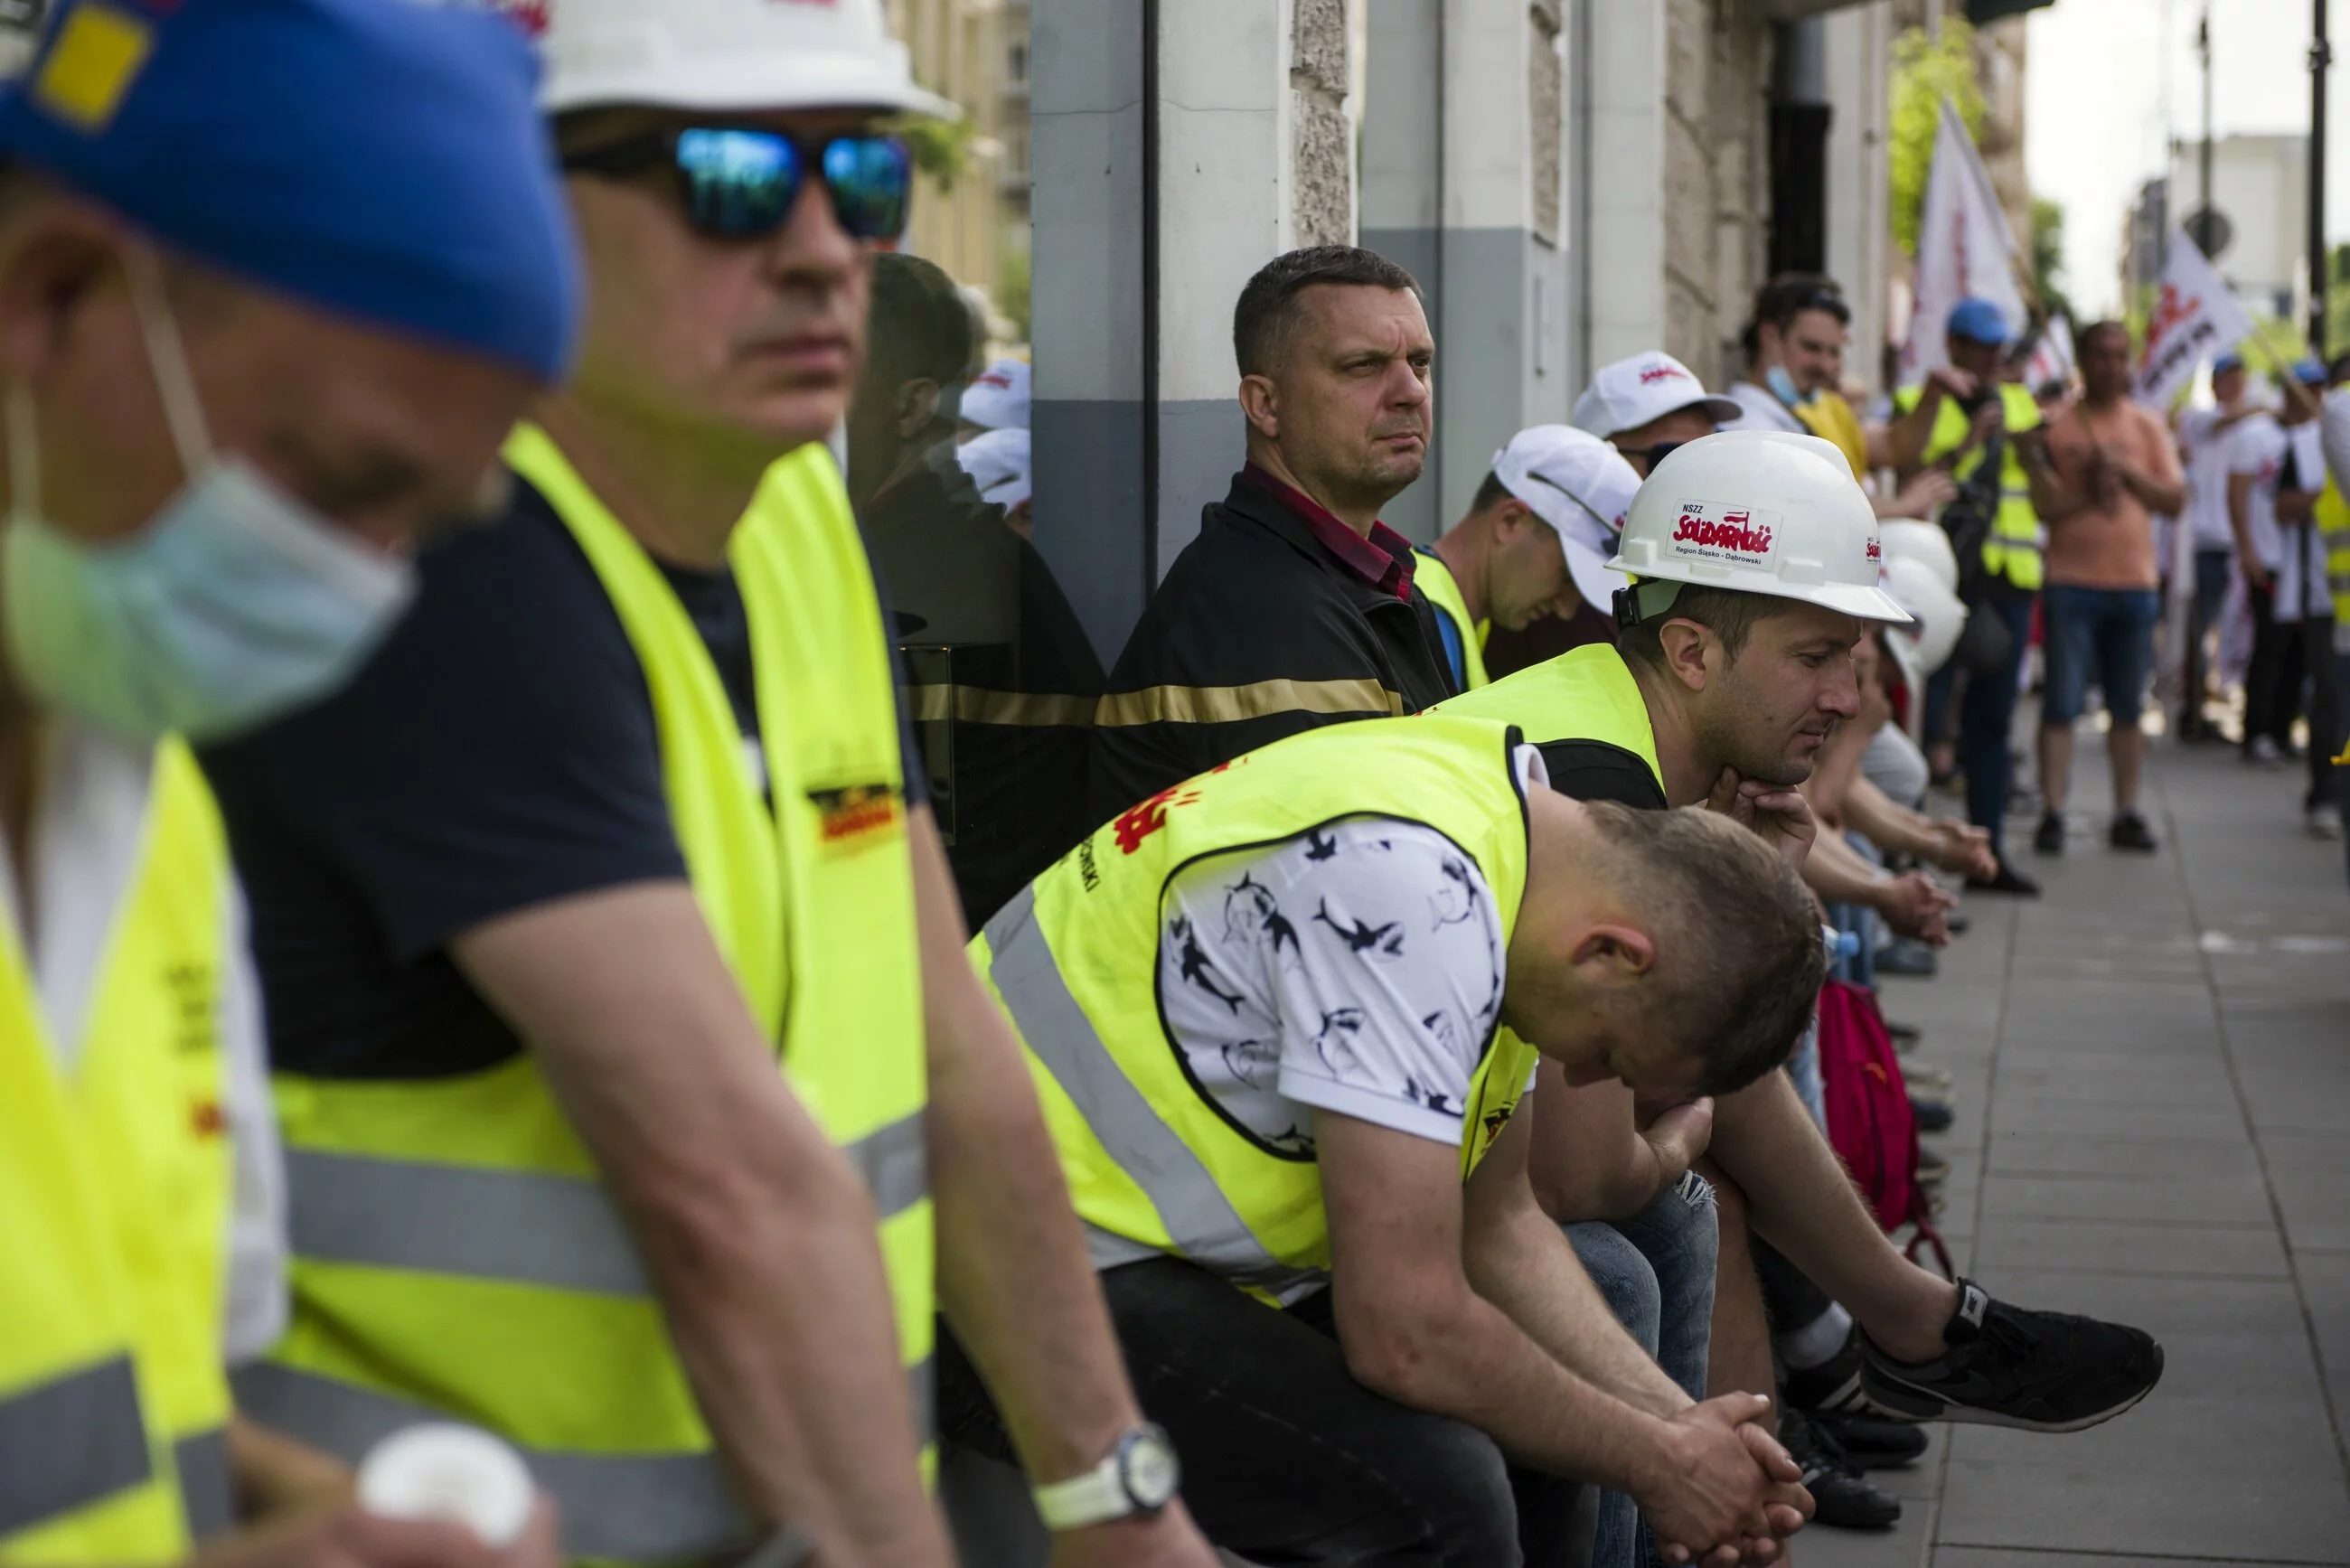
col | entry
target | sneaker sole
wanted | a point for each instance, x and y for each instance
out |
(1884, 1400)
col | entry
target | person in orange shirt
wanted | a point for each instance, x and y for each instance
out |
(2116, 467)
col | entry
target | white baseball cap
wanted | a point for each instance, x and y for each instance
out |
(997, 398)
(1582, 487)
(1631, 392)
(721, 56)
(997, 463)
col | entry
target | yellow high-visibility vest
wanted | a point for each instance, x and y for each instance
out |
(2016, 541)
(455, 1252)
(1152, 1160)
(1587, 693)
(115, 1184)
(1829, 416)
(1434, 578)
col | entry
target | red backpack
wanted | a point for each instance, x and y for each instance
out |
(1869, 1120)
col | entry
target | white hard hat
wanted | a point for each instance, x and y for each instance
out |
(1763, 512)
(721, 56)
(1631, 392)
(997, 463)
(1582, 487)
(1906, 539)
(1937, 616)
(997, 398)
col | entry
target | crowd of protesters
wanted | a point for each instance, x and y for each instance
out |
(702, 974)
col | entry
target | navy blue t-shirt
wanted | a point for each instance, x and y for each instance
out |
(498, 753)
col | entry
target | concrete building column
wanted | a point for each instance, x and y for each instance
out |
(1860, 220)
(1464, 158)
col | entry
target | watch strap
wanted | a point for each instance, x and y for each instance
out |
(1096, 1497)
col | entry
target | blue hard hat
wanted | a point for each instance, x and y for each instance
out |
(2231, 361)
(382, 160)
(1978, 320)
(2309, 372)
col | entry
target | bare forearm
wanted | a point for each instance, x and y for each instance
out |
(756, 1235)
(1586, 1160)
(274, 1474)
(1470, 1361)
(1887, 824)
(780, 1311)
(1838, 874)
(2155, 494)
(1523, 1264)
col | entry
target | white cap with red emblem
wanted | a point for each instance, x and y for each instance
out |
(1582, 487)
(1759, 511)
(722, 56)
(1631, 392)
(997, 398)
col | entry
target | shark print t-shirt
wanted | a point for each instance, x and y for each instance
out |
(1357, 968)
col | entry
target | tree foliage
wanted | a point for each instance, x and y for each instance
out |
(1924, 74)
(2048, 255)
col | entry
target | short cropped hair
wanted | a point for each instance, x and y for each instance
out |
(1740, 957)
(1268, 307)
(1730, 614)
(1490, 494)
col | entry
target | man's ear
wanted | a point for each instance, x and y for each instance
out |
(51, 264)
(1257, 399)
(1685, 646)
(1627, 949)
(918, 406)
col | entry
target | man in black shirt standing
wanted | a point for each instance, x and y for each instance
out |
(1295, 606)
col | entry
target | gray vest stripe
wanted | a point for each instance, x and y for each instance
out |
(895, 1163)
(207, 1490)
(629, 1508)
(527, 1226)
(1202, 1223)
(70, 1442)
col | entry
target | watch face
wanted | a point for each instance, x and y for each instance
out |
(1148, 1469)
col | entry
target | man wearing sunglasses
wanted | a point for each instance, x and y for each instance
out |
(1647, 405)
(621, 816)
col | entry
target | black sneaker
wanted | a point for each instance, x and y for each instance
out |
(1841, 1495)
(1932, 1115)
(2129, 831)
(1874, 1444)
(2009, 880)
(2049, 837)
(1831, 1388)
(2009, 1366)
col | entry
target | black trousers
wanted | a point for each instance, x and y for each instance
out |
(1287, 1460)
(2273, 680)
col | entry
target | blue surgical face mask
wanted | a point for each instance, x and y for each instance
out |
(233, 605)
(1783, 387)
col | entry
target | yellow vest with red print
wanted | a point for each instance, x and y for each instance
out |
(114, 1183)
(455, 1252)
(1150, 1158)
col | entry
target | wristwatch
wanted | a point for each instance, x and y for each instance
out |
(1139, 1476)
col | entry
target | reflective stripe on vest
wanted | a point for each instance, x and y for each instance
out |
(2012, 549)
(1152, 1161)
(453, 1251)
(1434, 578)
(530, 1227)
(73, 1441)
(616, 1507)
(115, 1180)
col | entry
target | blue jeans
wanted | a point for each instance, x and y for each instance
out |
(2108, 632)
(1656, 1271)
(2202, 614)
(1986, 713)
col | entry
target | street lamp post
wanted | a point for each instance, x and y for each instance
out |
(2320, 56)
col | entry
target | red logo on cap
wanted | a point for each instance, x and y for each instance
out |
(996, 378)
(1875, 551)
(533, 16)
(1733, 533)
(1662, 373)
